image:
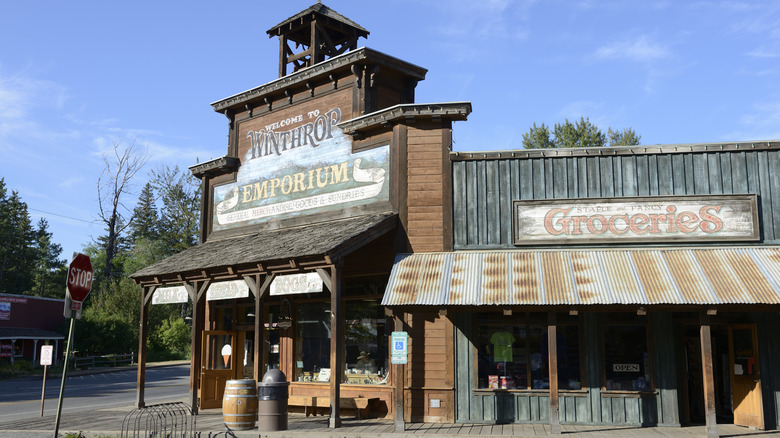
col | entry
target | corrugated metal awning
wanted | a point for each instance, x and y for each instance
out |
(587, 276)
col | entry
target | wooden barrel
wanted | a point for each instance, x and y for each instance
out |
(239, 405)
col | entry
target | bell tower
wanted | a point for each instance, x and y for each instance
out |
(322, 32)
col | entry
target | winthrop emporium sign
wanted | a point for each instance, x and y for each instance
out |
(650, 219)
(297, 165)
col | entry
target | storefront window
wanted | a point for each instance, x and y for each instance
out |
(273, 338)
(512, 354)
(625, 358)
(366, 342)
(312, 342)
(366, 333)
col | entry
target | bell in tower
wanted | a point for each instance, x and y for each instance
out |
(322, 32)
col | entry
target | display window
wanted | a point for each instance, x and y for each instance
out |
(366, 333)
(626, 360)
(512, 352)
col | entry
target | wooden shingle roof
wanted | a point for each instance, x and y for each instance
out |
(328, 239)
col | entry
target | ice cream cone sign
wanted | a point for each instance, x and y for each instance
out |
(227, 350)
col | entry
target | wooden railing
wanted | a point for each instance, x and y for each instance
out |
(109, 360)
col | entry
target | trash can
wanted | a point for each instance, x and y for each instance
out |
(272, 405)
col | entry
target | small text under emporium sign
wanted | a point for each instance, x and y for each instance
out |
(634, 219)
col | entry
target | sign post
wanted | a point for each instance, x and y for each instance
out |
(79, 284)
(47, 351)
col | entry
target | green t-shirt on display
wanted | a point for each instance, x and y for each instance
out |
(502, 346)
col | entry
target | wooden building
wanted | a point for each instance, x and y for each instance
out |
(329, 172)
(26, 324)
(649, 276)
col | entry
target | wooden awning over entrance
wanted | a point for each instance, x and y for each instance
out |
(257, 259)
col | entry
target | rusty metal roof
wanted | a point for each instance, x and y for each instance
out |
(729, 275)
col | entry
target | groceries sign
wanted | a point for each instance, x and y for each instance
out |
(298, 163)
(629, 219)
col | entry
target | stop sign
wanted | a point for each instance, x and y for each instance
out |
(79, 278)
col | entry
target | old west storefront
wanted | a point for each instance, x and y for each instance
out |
(330, 171)
(649, 275)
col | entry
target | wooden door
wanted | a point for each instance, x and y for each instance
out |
(745, 376)
(219, 364)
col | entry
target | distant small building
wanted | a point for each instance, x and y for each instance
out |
(26, 324)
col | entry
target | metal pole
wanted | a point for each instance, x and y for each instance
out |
(43, 391)
(64, 375)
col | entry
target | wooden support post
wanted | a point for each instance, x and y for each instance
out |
(196, 292)
(552, 366)
(709, 379)
(282, 57)
(336, 347)
(146, 298)
(398, 379)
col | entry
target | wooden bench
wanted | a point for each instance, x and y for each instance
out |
(311, 403)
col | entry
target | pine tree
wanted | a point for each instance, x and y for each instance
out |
(18, 257)
(146, 224)
(49, 272)
(582, 134)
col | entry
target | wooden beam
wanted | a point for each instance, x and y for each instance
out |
(708, 376)
(552, 366)
(252, 283)
(336, 348)
(146, 294)
(325, 276)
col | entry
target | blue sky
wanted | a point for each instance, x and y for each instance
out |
(77, 76)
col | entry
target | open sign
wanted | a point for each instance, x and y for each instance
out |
(625, 367)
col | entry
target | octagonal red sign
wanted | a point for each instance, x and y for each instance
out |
(80, 276)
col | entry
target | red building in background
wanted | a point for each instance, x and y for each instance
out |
(26, 324)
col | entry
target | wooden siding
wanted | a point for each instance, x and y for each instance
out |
(589, 406)
(429, 373)
(428, 202)
(484, 188)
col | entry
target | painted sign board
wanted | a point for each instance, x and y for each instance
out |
(298, 164)
(170, 295)
(309, 282)
(636, 219)
(5, 310)
(227, 290)
(6, 350)
(399, 342)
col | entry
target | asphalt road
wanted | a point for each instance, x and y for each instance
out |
(21, 398)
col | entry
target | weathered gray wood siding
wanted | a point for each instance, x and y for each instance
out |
(588, 406)
(485, 184)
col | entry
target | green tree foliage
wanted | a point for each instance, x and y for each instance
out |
(29, 262)
(172, 337)
(625, 137)
(180, 214)
(580, 134)
(49, 271)
(165, 221)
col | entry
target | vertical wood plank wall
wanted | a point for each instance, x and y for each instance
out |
(428, 200)
(484, 186)
(483, 189)
(430, 373)
(575, 407)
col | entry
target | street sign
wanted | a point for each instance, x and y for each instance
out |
(79, 279)
(47, 351)
(399, 342)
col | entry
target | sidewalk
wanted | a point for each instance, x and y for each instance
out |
(105, 423)
(109, 422)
